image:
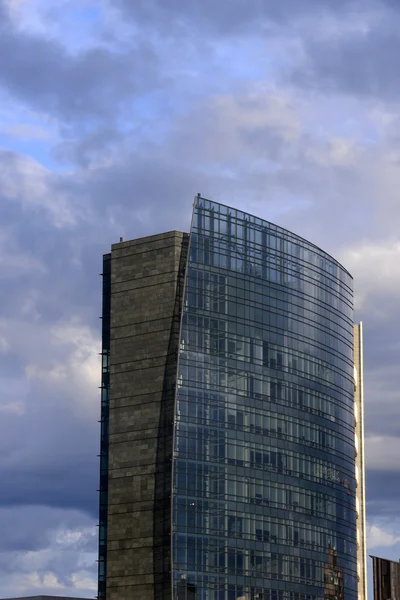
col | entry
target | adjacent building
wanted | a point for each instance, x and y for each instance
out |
(360, 464)
(386, 575)
(232, 460)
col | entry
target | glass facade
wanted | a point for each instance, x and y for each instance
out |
(263, 497)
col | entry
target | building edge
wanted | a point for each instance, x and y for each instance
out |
(360, 461)
(184, 270)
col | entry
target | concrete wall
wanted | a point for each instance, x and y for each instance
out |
(147, 277)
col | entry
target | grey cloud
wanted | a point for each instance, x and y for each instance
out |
(96, 146)
(233, 152)
(148, 193)
(42, 549)
(360, 64)
(226, 17)
(383, 491)
(42, 196)
(32, 527)
(135, 187)
(49, 450)
(92, 84)
(3, 13)
(51, 455)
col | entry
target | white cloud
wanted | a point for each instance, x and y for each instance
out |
(25, 131)
(335, 152)
(382, 452)
(13, 396)
(64, 558)
(232, 129)
(72, 364)
(327, 166)
(25, 181)
(17, 407)
(383, 534)
(376, 269)
(82, 581)
(61, 360)
(3, 344)
(16, 6)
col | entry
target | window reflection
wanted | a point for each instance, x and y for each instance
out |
(264, 445)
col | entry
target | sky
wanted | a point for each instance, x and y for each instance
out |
(114, 114)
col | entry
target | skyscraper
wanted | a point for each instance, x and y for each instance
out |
(228, 444)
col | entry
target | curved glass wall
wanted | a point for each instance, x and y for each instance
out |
(264, 458)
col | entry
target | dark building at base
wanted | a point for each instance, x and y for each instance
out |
(228, 434)
(386, 575)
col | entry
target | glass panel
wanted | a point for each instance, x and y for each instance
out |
(264, 497)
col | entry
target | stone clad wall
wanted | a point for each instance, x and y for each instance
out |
(147, 278)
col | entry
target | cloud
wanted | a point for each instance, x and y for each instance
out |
(383, 536)
(158, 101)
(257, 123)
(4, 11)
(233, 18)
(47, 551)
(3, 343)
(93, 84)
(25, 181)
(14, 262)
(257, 145)
(16, 407)
(25, 132)
(383, 489)
(357, 57)
(73, 366)
(376, 268)
(382, 452)
(50, 411)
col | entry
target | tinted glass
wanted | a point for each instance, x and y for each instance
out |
(264, 457)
